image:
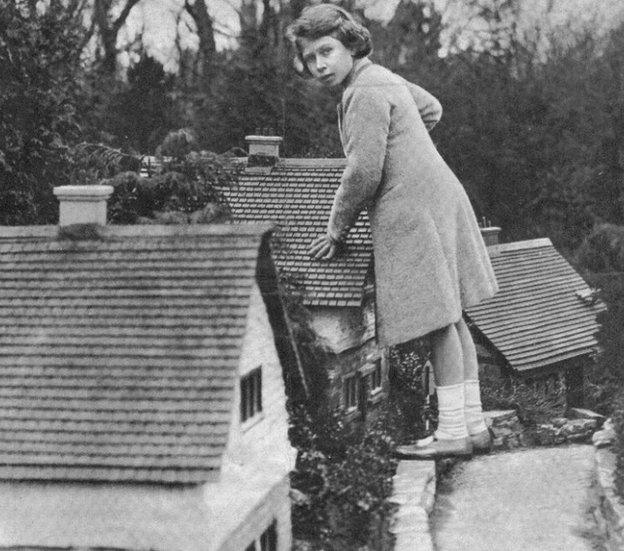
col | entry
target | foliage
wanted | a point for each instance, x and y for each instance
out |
(313, 353)
(187, 187)
(137, 114)
(601, 255)
(533, 402)
(618, 446)
(41, 85)
(94, 162)
(346, 476)
(408, 388)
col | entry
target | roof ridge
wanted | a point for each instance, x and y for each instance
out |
(520, 245)
(317, 162)
(36, 233)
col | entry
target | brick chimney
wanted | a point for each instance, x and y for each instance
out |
(263, 150)
(82, 204)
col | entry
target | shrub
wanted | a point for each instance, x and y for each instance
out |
(602, 257)
(532, 402)
(346, 475)
(408, 388)
(187, 187)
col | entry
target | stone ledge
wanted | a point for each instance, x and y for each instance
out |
(413, 491)
(610, 512)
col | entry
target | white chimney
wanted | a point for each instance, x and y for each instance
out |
(264, 146)
(490, 235)
(82, 204)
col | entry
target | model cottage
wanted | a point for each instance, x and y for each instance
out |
(142, 400)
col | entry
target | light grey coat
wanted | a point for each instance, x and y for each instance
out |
(430, 259)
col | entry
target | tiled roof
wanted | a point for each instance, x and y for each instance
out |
(297, 194)
(537, 318)
(118, 355)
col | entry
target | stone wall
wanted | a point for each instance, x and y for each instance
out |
(343, 328)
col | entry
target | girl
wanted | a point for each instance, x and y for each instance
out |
(430, 259)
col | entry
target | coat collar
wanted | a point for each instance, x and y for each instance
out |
(359, 65)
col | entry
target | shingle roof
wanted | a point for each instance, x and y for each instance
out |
(536, 319)
(297, 194)
(118, 355)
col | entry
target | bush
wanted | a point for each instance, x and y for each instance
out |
(186, 188)
(408, 392)
(533, 403)
(602, 257)
(346, 475)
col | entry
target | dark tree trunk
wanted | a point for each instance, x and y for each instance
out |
(204, 65)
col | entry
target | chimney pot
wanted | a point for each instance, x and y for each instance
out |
(264, 146)
(82, 204)
(490, 235)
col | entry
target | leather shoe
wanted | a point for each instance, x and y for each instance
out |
(434, 449)
(482, 442)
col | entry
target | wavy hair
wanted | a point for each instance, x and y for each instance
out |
(329, 20)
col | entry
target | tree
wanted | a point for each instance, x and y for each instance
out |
(142, 111)
(205, 59)
(41, 85)
(108, 29)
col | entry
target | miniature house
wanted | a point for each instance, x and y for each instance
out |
(143, 405)
(541, 325)
(297, 195)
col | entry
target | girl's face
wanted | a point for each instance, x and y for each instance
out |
(327, 59)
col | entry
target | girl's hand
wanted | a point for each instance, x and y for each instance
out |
(323, 248)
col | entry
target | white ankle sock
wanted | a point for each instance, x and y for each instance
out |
(451, 420)
(473, 410)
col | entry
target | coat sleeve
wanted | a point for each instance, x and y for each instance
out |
(428, 106)
(365, 129)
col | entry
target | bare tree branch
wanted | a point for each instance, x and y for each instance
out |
(123, 15)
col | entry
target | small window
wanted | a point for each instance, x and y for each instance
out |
(351, 392)
(251, 394)
(375, 377)
(268, 540)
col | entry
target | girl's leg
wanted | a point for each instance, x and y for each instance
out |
(448, 372)
(451, 437)
(473, 411)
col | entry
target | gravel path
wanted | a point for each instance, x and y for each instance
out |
(530, 500)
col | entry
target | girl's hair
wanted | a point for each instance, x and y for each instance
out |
(329, 20)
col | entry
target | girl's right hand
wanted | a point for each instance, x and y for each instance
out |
(323, 248)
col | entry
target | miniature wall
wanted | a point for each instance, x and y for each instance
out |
(254, 485)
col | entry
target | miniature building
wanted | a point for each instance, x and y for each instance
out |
(142, 400)
(297, 195)
(542, 323)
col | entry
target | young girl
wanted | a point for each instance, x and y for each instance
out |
(430, 259)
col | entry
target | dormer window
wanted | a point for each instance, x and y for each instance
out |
(251, 394)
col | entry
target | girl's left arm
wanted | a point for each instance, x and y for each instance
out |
(366, 125)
